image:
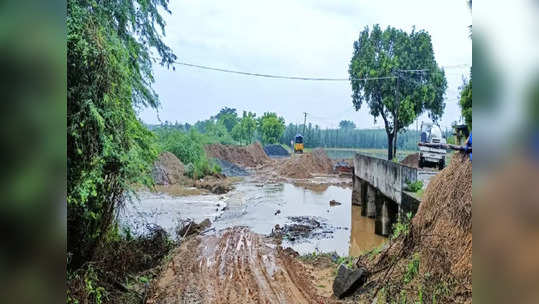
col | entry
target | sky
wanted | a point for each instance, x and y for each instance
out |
(296, 38)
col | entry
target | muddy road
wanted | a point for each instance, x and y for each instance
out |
(235, 266)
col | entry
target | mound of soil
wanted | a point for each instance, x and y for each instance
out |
(444, 221)
(233, 266)
(411, 160)
(247, 156)
(276, 150)
(168, 169)
(439, 240)
(305, 165)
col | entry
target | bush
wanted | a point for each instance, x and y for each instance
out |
(415, 186)
(189, 148)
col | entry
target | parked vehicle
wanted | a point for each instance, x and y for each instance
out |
(431, 156)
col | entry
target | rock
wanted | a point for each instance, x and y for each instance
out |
(190, 227)
(334, 203)
(348, 280)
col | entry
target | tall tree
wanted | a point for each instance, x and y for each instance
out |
(228, 117)
(347, 124)
(398, 100)
(109, 72)
(271, 127)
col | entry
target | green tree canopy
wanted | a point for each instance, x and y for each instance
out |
(228, 117)
(347, 124)
(465, 102)
(401, 99)
(109, 73)
(244, 131)
(271, 127)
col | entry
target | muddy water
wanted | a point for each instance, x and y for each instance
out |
(260, 207)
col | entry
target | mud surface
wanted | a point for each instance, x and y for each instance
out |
(234, 266)
(246, 156)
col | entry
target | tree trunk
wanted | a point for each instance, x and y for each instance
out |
(389, 145)
(395, 145)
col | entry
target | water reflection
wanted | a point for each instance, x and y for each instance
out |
(362, 236)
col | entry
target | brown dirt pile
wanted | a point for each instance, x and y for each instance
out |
(247, 156)
(168, 169)
(439, 239)
(411, 160)
(305, 165)
(444, 221)
(234, 266)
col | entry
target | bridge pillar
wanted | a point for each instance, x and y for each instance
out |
(356, 190)
(370, 202)
(386, 214)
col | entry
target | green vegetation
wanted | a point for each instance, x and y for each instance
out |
(401, 100)
(347, 124)
(189, 148)
(349, 138)
(414, 186)
(271, 127)
(402, 226)
(465, 102)
(412, 269)
(108, 149)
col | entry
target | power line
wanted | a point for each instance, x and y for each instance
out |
(280, 76)
(308, 78)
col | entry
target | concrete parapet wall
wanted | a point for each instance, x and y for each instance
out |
(386, 176)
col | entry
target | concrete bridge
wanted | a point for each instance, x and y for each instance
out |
(379, 187)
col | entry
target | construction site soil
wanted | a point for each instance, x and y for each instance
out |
(235, 266)
(439, 241)
(246, 156)
(306, 165)
(412, 160)
(168, 169)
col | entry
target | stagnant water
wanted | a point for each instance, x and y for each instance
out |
(261, 207)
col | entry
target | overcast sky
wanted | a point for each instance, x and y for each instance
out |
(293, 37)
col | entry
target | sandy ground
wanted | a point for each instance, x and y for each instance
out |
(238, 266)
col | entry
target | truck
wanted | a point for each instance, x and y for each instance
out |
(430, 156)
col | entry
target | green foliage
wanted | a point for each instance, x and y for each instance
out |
(244, 131)
(401, 100)
(465, 103)
(271, 127)
(108, 148)
(414, 186)
(347, 124)
(348, 261)
(412, 269)
(189, 148)
(228, 117)
(402, 226)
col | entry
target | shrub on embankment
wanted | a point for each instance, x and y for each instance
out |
(189, 148)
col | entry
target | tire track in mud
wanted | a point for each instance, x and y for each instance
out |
(234, 266)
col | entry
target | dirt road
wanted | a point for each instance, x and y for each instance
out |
(235, 266)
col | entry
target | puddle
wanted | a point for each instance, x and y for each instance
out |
(260, 207)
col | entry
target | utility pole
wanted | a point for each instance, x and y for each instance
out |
(304, 122)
